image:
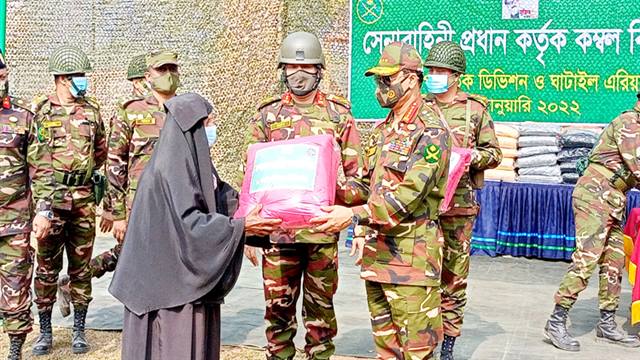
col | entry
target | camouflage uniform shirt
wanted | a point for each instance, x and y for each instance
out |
(406, 177)
(134, 133)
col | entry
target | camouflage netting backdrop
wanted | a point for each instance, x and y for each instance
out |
(228, 49)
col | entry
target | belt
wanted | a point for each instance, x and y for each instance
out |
(76, 178)
(620, 179)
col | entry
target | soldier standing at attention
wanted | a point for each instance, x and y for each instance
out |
(471, 127)
(71, 135)
(407, 166)
(303, 110)
(599, 202)
(17, 135)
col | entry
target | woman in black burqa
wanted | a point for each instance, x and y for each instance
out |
(182, 251)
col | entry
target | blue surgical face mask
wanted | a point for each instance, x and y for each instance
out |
(212, 134)
(437, 84)
(79, 86)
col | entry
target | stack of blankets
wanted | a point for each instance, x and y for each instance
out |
(576, 144)
(508, 141)
(538, 148)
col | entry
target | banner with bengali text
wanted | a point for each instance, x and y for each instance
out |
(548, 61)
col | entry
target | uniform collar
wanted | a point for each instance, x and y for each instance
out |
(56, 101)
(319, 100)
(151, 100)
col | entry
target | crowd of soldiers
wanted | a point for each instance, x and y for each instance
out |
(56, 165)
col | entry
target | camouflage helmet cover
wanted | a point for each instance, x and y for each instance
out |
(301, 48)
(448, 55)
(69, 59)
(137, 67)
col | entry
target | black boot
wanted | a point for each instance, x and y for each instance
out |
(446, 350)
(15, 348)
(79, 344)
(607, 330)
(44, 343)
(556, 330)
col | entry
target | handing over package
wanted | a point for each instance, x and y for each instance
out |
(460, 159)
(292, 179)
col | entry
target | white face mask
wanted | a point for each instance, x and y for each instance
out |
(437, 84)
(212, 134)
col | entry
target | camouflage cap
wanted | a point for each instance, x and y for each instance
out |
(395, 57)
(158, 58)
(137, 67)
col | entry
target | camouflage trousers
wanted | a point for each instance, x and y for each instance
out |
(283, 267)
(455, 270)
(405, 319)
(105, 262)
(16, 268)
(599, 241)
(73, 231)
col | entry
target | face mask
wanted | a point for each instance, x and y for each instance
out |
(212, 134)
(79, 86)
(438, 84)
(166, 84)
(302, 83)
(388, 95)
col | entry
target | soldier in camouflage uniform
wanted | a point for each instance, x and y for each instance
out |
(71, 133)
(599, 202)
(134, 133)
(303, 110)
(471, 127)
(16, 254)
(407, 166)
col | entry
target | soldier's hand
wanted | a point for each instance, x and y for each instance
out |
(254, 224)
(250, 254)
(106, 224)
(357, 248)
(41, 226)
(119, 230)
(337, 219)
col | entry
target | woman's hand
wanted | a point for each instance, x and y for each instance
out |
(255, 225)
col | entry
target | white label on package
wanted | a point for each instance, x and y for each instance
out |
(286, 167)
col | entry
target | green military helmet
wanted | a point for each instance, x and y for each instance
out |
(137, 67)
(301, 48)
(448, 55)
(69, 59)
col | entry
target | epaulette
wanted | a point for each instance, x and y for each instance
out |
(479, 98)
(92, 101)
(339, 100)
(37, 102)
(124, 102)
(269, 101)
(18, 102)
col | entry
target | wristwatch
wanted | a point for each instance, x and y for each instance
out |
(46, 214)
(355, 219)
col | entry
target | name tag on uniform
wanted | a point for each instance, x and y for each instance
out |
(52, 124)
(401, 146)
(280, 125)
(146, 120)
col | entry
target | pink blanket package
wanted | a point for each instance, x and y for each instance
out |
(291, 179)
(460, 158)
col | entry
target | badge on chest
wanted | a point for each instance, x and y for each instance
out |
(280, 124)
(401, 146)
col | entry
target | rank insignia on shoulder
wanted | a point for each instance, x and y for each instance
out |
(432, 153)
(280, 125)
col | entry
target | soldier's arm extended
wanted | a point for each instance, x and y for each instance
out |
(424, 169)
(487, 154)
(255, 134)
(355, 190)
(40, 168)
(118, 164)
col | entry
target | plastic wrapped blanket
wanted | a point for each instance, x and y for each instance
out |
(529, 141)
(537, 161)
(539, 129)
(537, 150)
(292, 179)
(542, 170)
(573, 138)
(573, 154)
(504, 175)
(540, 179)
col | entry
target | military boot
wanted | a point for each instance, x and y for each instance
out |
(607, 330)
(64, 295)
(15, 347)
(44, 343)
(79, 343)
(556, 330)
(446, 350)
